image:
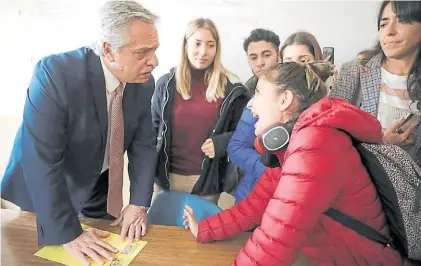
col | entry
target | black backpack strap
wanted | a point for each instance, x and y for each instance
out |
(359, 227)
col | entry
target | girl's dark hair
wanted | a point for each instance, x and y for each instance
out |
(304, 38)
(306, 81)
(408, 12)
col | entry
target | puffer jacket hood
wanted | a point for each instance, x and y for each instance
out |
(336, 113)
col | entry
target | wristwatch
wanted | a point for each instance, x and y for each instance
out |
(144, 208)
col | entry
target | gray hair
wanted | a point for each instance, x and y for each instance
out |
(114, 18)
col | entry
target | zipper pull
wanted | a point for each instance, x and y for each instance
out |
(213, 132)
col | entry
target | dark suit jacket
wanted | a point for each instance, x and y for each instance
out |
(59, 149)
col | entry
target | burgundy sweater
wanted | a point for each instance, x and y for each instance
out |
(192, 123)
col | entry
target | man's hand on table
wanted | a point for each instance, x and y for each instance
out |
(133, 223)
(89, 245)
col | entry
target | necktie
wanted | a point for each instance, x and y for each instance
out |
(116, 152)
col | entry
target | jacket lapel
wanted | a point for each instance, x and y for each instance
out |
(97, 83)
(370, 79)
(129, 100)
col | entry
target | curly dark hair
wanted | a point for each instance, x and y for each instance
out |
(257, 35)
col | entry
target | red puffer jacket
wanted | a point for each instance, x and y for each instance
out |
(320, 169)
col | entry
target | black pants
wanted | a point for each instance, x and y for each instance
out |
(96, 205)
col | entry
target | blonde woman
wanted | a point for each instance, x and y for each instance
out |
(195, 110)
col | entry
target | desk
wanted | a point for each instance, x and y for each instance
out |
(167, 245)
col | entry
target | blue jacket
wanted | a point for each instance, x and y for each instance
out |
(241, 151)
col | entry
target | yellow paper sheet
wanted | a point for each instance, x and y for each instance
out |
(127, 252)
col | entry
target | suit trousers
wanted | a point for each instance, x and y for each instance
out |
(96, 206)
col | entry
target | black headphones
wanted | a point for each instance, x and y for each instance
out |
(274, 138)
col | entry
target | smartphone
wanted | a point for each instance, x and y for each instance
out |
(407, 121)
(329, 54)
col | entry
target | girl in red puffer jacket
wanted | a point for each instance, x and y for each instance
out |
(320, 169)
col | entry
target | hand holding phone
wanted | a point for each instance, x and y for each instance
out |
(408, 121)
(399, 133)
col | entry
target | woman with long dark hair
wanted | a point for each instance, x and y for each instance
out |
(386, 81)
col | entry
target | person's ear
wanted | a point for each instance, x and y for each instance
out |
(108, 52)
(286, 100)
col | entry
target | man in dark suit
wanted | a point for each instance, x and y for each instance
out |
(83, 110)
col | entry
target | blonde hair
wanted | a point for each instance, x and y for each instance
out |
(216, 74)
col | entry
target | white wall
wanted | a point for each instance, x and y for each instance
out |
(31, 29)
